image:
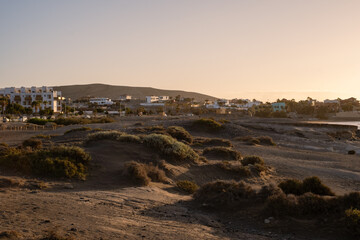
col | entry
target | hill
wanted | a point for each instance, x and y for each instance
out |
(113, 92)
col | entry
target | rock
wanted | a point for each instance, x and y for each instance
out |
(267, 221)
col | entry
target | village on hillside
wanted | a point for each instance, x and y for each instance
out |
(21, 104)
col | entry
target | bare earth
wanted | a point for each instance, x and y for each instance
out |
(109, 206)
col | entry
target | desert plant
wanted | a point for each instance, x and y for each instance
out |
(82, 129)
(351, 152)
(187, 186)
(212, 142)
(224, 194)
(143, 174)
(32, 143)
(206, 124)
(310, 184)
(137, 172)
(281, 205)
(42, 136)
(222, 152)
(170, 147)
(103, 135)
(180, 134)
(314, 185)
(248, 140)
(266, 140)
(352, 220)
(252, 160)
(235, 168)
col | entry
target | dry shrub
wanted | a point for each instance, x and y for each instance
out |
(310, 204)
(212, 142)
(222, 152)
(151, 129)
(187, 186)
(248, 140)
(32, 143)
(82, 129)
(263, 140)
(281, 205)
(252, 160)
(42, 136)
(310, 184)
(103, 135)
(143, 174)
(350, 200)
(235, 168)
(139, 124)
(137, 172)
(351, 152)
(208, 125)
(180, 134)
(269, 190)
(266, 140)
(170, 147)
(352, 220)
(224, 194)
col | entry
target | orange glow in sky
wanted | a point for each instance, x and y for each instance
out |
(233, 48)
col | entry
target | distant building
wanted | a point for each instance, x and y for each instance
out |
(278, 106)
(101, 101)
(125, 97)
(332, 101)
(156, 99)
(45, 97)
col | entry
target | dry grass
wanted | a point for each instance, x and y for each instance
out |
(212, 142)
(222, 152)
(207, 125)
(143, 174)
(263, 140)
(187, 186)
(252, 160)
(180, 134)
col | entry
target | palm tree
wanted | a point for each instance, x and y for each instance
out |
(4, 101)
(36, 105)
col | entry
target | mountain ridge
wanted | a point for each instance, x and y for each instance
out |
(114, 92)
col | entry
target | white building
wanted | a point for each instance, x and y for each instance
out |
(101, 101)
(124, 97)
(156, 99)
(46, 97)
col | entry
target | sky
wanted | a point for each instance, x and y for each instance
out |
(263, 49)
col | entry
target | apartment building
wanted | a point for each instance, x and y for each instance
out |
(46, 97)
(154, 99)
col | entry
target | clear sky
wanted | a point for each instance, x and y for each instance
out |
(226, 48)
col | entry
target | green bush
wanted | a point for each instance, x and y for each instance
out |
(32, 143)
(57, 162)
(171, 148)
(180, 134)
(222, 152)
(206, 124)
(352, 220)
(224, 194)
(82, 129)
(310, 184)
(253, 160)
(187, 186)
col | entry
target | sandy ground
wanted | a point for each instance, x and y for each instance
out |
(106, 206)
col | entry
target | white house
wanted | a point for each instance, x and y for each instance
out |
(46, 97)
(101, 101)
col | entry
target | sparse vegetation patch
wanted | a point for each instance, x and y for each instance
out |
(207, 124)
(143, 174)
(212, 142)
(222, 152)
(82, 129)
(187, 186)
(180, 134)
(311, 184)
